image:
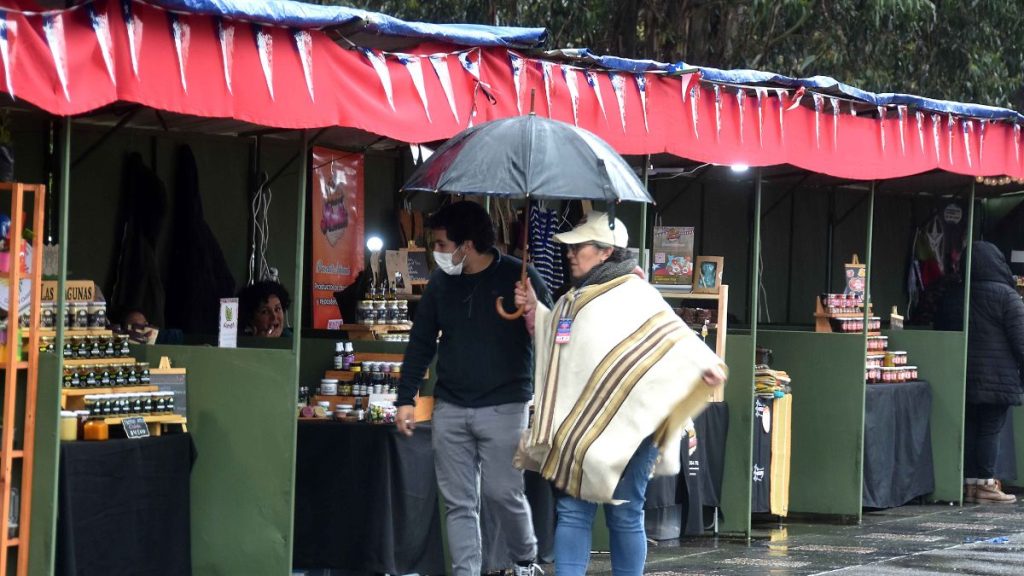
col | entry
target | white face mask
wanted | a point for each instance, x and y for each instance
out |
(445, 263)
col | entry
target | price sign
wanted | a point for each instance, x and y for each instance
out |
(135, 427)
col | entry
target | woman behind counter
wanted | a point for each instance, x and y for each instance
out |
(262, 308)
(617, 374)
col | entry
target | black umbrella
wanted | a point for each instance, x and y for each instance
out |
(529, 157)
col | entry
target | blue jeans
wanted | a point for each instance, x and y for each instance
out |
(625, 522)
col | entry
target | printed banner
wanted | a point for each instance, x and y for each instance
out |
(338, 229)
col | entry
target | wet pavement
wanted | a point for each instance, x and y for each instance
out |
(908, 541)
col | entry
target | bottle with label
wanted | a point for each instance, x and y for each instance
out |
(339, 356)
(350, 356)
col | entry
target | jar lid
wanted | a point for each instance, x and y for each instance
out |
(82, 412)
(329, 381)
(67, 414)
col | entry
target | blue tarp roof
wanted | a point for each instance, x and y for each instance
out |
(823, 84)
(302, 15)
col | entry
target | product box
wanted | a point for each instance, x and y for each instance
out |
(673, 255)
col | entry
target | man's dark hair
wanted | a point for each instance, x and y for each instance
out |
(252, 297)
(463, 221)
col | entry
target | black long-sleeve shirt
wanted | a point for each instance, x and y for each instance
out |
(482, 359)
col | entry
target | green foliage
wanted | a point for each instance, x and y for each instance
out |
(966, 50)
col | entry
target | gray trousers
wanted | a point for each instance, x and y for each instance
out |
(473, 451)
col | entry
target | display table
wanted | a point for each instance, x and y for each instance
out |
(366, 500)
(123, 507)
(897, 444)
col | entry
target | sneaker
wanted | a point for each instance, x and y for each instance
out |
(988, 492)
(970, 493)
(529, 570)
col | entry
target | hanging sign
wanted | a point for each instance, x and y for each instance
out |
(337, 234)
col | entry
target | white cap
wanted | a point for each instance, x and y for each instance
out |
(594, 228)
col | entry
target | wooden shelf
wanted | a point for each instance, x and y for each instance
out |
(684, 295)
(158, 419)
(17, 453)
(69, 332)
(13, 543)
(697, 327)
(108, 390)
(23, 365)
(848, 316)
(75, 362)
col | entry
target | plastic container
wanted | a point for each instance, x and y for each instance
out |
(329, 387)
(68, 426)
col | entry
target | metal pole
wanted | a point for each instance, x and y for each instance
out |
(63, 212)
(643, 215)
(755, 266)
(867, 261)
(300, 246)
(967, 261)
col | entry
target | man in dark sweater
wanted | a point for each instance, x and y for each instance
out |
(484, 382)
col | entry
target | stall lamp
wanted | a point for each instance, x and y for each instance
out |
(374, 244)
(739, 168)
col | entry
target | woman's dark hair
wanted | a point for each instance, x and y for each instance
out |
(253, 296)
(618, 254)
(463, 221)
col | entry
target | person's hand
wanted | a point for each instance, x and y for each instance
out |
(405, 419)
(714, 376)
(526, 297)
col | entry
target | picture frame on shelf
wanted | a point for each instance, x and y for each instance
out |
(708, 274)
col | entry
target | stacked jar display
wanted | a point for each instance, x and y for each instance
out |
(129, 404)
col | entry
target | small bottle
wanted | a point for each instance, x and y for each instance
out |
(350, 356)
(339, 356)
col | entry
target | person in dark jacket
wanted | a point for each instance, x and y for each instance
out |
(484, 382)
(995, 360)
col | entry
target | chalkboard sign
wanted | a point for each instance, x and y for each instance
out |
(135, 427)
(419, 272)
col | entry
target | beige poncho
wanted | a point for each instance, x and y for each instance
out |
(630, 369)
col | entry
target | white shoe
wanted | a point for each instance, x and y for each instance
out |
(530, 570)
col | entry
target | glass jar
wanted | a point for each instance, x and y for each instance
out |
(105, 379)
(80, 315)
(108, 348)
(69, 351)
(94, 347)
(142, 370)
(67, 379)
(147, 403)
(91, 405)
(122, 346)
(159, 402)
(90, 380)
(170, 402)
(133, 376)
(120, 378)
(48, 319)
(97, 315)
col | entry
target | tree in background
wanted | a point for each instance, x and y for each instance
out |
(966, 50)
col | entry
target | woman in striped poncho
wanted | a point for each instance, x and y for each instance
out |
(617, 375)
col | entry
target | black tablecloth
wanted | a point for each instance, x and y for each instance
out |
(366, 500)
(761, 478)
(897, 444)
(123, 507)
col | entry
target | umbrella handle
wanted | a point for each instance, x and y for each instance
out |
(499, 304)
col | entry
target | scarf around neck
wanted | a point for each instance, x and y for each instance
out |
(605, 272)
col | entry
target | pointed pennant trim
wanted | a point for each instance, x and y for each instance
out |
(781, 95)
(1016, 143)
(968, 128)
(546, 73)
(516, 62)
(7, 32)
(950, 127)
(53, 27)
(694, 99)
(415, 68)
(182, 41)
(797, 96)
(641, 86)
(473, 67)
(572, 83)
(440, 64)
(919, 116)
(881, 125)
(265, 48)
(101, 27)
(982, 126)
(619, 87)
(381, 68)
(595, 85)
(819, 103)
(762, 93)
(936, 123)
(133, 24)
(226, 39)
(853, 110)
(304, 45)
(835, 122)
(741, 98)
(718, 112)
(901, 113)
